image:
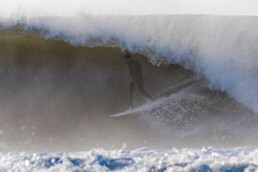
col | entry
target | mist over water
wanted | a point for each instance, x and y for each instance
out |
(57, 97)
(40, 8)
(54, 100)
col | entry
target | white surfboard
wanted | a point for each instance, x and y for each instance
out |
(141, 108)
(160, 98)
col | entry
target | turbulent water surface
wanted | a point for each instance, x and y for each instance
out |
(206, 160)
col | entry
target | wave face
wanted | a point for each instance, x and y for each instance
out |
(221, 48)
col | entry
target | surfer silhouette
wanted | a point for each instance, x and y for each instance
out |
(135, 71)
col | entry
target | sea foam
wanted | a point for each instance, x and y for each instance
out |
(206, 159)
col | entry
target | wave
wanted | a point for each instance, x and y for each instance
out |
(221, 48)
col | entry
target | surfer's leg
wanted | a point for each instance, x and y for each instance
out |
(145, 93)
(131, 88)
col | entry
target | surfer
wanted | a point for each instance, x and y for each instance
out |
(134, 67)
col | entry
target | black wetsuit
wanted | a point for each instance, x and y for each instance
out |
(135, 71)
(136, 79)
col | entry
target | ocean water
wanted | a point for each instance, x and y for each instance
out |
(62, 75)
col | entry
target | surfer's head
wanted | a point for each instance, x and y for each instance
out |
(127, 54)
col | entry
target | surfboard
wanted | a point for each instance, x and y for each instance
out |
(159, 98)
(140, 108)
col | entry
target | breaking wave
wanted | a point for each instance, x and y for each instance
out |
(221, 48)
